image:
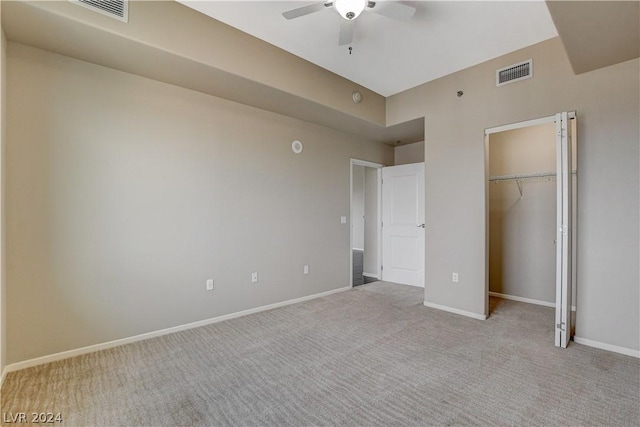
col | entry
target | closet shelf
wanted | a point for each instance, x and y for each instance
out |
(524, 176)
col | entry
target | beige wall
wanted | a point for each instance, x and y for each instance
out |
(525, 150)
(125, 194)
(607, 104)
(522, 230)
(3, 129)
(410, 153)
(198, 53)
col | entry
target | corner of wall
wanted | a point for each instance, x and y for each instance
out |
(3, 78)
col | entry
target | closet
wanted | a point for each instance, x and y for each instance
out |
(531, 202)
(522, 214)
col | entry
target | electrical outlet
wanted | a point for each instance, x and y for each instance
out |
(306, 269)
(209, 284)
(454, 277)
(254, 277)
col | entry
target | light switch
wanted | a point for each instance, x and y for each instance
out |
(343, 220)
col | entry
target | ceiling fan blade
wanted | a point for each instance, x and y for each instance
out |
(346, 32)
(305, 10)
(392, 9)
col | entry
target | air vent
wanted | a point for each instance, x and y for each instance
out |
(117, 9)
(514, 73)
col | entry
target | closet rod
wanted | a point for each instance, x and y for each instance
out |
(524, 176)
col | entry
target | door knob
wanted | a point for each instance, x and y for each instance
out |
(421, 225)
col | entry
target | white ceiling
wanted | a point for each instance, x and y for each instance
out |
(390, 56)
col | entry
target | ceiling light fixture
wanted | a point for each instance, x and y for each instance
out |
(350, 9)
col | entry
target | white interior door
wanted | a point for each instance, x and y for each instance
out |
(564, 230)
(403, 224)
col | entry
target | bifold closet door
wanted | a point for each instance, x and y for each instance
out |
(564, 230)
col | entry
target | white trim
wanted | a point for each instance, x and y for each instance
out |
(379, 233)
(520, 125)
(534, 122)
(487, 224)
(116, 343)
(375, 276)
(350, 222)
(358, 249)
(365, 163)
(608, 347)
(527, 300)
(455, 311)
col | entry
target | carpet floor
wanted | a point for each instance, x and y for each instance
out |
(372, 356)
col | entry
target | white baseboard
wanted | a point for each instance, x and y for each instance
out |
(4, 374)
(110, 344)
(375, 276)
(522, 299)
(456, 311)
(608, 347)
(527, 300)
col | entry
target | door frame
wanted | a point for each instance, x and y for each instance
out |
(572, 241)
(378, 166)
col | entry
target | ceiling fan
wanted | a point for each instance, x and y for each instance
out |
(351, 9)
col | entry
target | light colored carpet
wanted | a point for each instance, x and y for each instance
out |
(370, 356)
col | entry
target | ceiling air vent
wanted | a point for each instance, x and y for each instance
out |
(514, 73)
(117, 9)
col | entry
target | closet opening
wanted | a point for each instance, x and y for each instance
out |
(531, 217)
(365, 222)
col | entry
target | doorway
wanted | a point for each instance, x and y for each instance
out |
(365, 217)
(530, 200)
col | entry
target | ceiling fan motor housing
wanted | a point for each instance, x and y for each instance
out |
(349, 9)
